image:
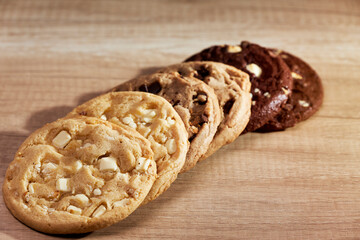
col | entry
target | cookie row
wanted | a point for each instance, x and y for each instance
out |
(124, 148)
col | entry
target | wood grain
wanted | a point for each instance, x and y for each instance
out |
(303, 183)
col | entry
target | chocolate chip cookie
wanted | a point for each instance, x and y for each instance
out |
(154, 118)
(78, 175)
(270, 77)
(232, 88)
(306, 98)
(194, 101)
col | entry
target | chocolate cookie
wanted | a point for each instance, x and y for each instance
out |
(232, 88)
(194, 101)
(154, 118)
(306, 98)
(78, 175)
(270, 77)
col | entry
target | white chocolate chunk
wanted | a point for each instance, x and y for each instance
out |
(121, 203)
(48, 168)
(74, 210)
(133, 125)
(162, 138)
(31, 188)
(97, 192)
(142, 164)
(99, 211)
(63, 184)
(127, 120)
(255, 69)
(103, 117)
(233, 49)
(170, 121)
(253, 103)
(78, 165)
(256, 90)
(108, 163)
(267, 94)
(123, 176)
(82, 198)
(304, 103)
(147, 120)
(86, 145)
(171, 146)
(151, 114)
(296, 75)
(61, 139)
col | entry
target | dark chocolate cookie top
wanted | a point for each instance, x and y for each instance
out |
(307, 94)
(270, 77)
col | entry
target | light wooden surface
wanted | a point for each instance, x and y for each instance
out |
(303, 183)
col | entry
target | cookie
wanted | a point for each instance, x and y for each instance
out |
(155, 119)
(78, 175)
(194, 101)
(306, 98)
(270, 77)
(232, 88)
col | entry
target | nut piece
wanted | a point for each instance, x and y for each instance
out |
(78, 165)
(99, 211)
(82, 199)
(255, 69)
(233, 49)
(61, 139)
(267, 94)
(296, 75)
(121, 203)
(304, 103)
(63, 184)
(108, 163)
(97, 192)
(171, 146)
(143, 164)
(286, 91)
(74, 210)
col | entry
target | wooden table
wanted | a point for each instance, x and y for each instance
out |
(303, 183)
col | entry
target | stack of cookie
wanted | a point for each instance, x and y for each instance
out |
(124, 148)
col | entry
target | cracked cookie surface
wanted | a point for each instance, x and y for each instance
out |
(194, 101)
(232, 88)
(154, 118)
(78, 175)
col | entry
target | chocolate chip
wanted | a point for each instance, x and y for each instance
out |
(228, 105)
(154, 88)
(202, 73)
(192, 138)
(174, 103)
(83, 113)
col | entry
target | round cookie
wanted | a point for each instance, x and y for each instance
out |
(78, 175)
(154, 118)
(232, 88)
(306, 98)
(194, 101)
(270, 77)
